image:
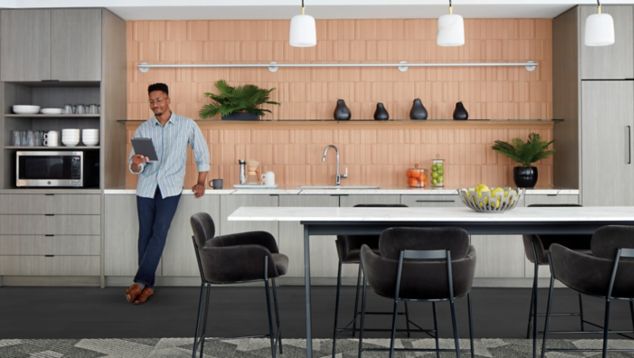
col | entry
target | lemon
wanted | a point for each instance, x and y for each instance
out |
(497, 191)
(482, 187)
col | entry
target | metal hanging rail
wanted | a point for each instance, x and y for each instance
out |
(274, 66)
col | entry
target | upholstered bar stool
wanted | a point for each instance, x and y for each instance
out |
(606, 272)
(233, 258)
(536, 248)
(348, 249)
(420, 264)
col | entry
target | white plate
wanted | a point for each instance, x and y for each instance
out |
(51, 111)
(25, 109)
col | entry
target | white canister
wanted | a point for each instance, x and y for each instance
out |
(268, 179)
(51, 139)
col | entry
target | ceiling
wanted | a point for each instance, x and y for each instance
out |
(321, 9)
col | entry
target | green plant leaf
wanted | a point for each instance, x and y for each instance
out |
(228, 100)
(525, 153)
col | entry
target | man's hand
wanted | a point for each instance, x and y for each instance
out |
(199, 190)
(137, 161)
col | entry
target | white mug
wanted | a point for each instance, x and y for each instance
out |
(268, 179)
(51, 139)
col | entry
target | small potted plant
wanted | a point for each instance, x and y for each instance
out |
(525, 154)
(242, 102)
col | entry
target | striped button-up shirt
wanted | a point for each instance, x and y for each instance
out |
(170, 142)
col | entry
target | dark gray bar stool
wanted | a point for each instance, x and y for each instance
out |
(233, 258)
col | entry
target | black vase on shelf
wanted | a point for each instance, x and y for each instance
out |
(460, 113)
(418, 111)
(380, 114)
(525, 177)
(342, 112)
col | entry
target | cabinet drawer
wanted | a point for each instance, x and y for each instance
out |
(50, 224)
(53, 265)
(50, 204)
(551, 199)
(49, 245)
(431, 200)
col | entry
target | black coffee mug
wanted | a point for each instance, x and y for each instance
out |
(216, 183)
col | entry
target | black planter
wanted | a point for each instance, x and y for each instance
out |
(342, 112)
(525, 177)
(241, 116)
(380, 114)
(460, 113)
(418, 111)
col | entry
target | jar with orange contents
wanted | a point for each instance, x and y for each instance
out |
(416, 177)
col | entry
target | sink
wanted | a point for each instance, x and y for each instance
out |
(317, 187)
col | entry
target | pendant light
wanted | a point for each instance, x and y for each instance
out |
(450, 29)
(599, 29)
(303, 32)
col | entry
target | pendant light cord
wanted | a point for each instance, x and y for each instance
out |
(598, 6)
(303, 7)
(450, 7)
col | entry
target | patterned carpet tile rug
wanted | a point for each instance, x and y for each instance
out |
(259, 347)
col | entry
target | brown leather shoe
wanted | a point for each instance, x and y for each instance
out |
(133, 292)
(144, 296)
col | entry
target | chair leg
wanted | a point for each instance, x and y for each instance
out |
(407, 320)
(548, 304)
(198, 320)
(204, 318)
(632, 312)
(470, 325)
(277, 316)
(270, 319)
(454, 325)
(606, 322)
(433, 305)
(337, 293)
(582, 326)
(532, 313)
(356, 302)
(393, 334)
(361, 321)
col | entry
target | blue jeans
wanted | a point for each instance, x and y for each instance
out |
(155, 217)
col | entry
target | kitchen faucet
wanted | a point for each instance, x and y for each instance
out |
(338, 175)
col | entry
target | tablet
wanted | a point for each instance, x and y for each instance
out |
(144, 146)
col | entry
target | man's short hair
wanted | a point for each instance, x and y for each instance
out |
(158, 87)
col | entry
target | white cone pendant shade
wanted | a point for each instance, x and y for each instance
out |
(599, 30)
(450, 30)
(303, 31)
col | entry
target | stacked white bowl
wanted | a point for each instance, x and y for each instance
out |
(70, 137)
(90, 136)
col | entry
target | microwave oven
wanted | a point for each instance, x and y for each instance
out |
(50, 169)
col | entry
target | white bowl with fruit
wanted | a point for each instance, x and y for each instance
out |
(485, 200)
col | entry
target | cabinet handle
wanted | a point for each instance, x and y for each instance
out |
(628, 146)
(435, 201)
(274, 195)
(49, 235)
(49, 214)
(50, 194)
(49, 255)
(338, 195)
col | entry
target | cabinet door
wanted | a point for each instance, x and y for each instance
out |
(606, 142)
(76, 44)
(431, 200)
(323, 253)
(354, 199)
(179, 258)
(609, 62)
(229, 203)
(121, 234)
(25, 45)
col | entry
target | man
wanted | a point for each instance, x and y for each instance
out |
(161, 182)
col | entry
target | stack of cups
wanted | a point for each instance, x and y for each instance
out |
(70, 137)
(90, 137)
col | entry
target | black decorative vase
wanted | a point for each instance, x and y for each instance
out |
(460, 113)
(525, 177)
(342, 112)
(418, 111)
(380, 114)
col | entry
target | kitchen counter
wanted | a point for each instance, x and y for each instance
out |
(390, 191)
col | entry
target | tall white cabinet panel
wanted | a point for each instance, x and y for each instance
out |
(121, 234)
(607, 119)
(323, 253)
(179, 258)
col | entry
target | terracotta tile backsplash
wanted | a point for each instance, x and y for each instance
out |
(374, 153)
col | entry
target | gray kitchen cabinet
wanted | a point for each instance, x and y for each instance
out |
(609, 62)
(179, 258)
(25, 45)
(229, 203)
(50, 44)
(50, 203)
(607, 118)
(121, 230)
(431, 200)
(323, 253)
(52, 265)
(50, 224)
(355, 199)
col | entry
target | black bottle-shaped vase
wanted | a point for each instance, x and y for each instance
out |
(460, 113)
(418, 111)
(342, 112)
(380, 114)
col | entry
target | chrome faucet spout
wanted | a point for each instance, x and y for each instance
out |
(338, 175)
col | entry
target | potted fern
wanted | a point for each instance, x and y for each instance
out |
(525, 154)
(242, 102)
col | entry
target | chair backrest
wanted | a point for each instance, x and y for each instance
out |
(203, 228)
(394, 240)
(608, 239)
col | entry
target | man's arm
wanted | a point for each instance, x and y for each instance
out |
(201, 157)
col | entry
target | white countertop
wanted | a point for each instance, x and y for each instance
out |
(396, 191)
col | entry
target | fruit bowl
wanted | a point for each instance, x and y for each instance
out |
(490, 201)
